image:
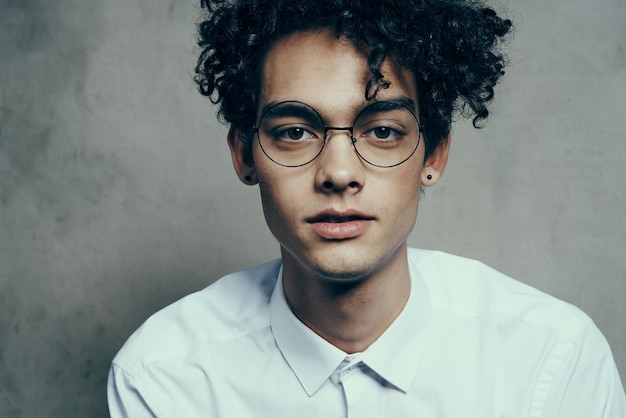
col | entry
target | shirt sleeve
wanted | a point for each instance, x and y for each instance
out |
(587, 383)
(124, 397)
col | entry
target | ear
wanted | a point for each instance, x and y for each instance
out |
(245, 171)
(436, 163)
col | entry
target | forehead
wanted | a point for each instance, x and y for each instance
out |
(327, 72)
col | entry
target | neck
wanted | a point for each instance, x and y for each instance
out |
(350, 314)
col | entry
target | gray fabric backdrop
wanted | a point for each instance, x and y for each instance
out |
(117, 196)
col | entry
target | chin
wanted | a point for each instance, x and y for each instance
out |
(342, 276)
(340, 264)
(349, 271)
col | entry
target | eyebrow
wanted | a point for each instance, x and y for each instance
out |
(305, 110)
(391, 104)
(290, 108)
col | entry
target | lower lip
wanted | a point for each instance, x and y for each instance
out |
(340, 230)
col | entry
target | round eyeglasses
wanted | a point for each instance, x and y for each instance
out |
(384, 134)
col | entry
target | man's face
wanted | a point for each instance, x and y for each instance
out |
(337, 216)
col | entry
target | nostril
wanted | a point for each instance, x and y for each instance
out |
(335, 187)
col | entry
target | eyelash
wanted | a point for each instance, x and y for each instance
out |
(283, 133)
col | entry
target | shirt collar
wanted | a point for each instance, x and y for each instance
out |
(394, 356)
(396, 353)
(312, 358)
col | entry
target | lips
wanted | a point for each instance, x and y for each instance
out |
(333, 225)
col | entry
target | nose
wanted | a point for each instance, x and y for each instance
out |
(339, 168)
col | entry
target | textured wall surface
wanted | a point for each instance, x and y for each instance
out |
(117, 195)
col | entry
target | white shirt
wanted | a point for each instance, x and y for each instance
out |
(470, 343)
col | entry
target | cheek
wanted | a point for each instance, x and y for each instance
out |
(406, 194)
(273, 211)
(279, 197)
(271, 201)
(271, 194)
(409, 205)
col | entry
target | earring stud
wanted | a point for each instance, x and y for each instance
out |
(429, 177)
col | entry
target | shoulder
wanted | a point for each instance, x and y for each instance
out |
(553, 349)
(233, 306)
(470, 288)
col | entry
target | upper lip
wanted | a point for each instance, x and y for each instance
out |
(339, 216)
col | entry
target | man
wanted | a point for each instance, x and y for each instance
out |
(340, 112)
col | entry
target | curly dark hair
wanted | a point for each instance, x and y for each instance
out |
(453, 48)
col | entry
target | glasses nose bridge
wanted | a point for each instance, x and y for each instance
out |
(327, 135)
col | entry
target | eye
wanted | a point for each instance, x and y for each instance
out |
(382, 133)
(294, 133)
(386, 125)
